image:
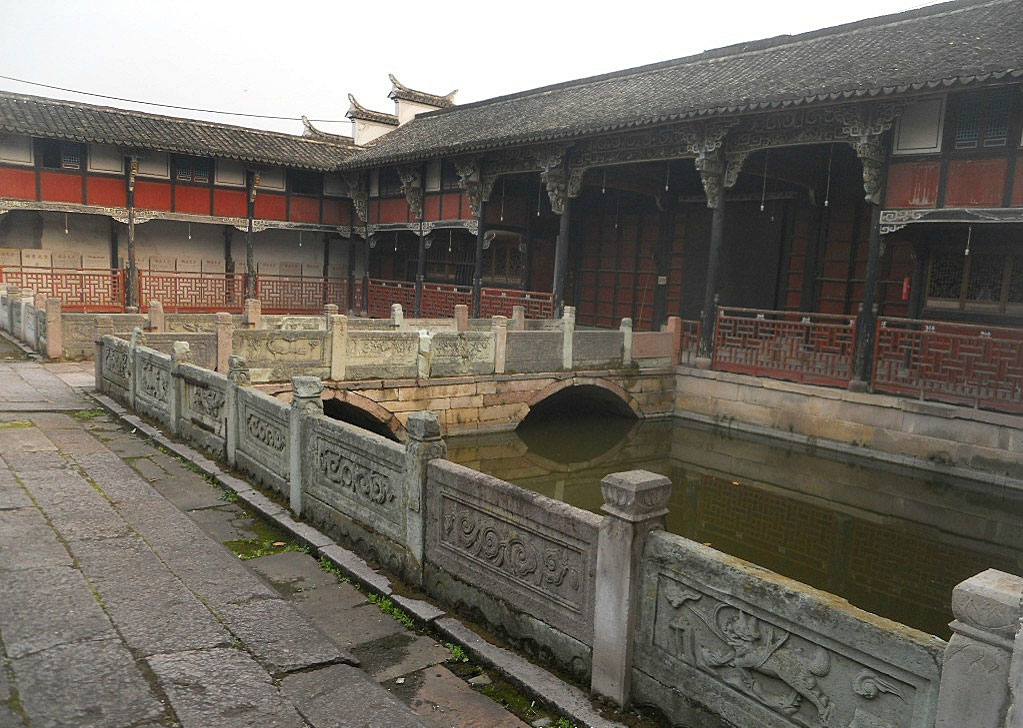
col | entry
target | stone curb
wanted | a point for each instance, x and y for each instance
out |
(825, 448)
(32, 354)
(548, 688)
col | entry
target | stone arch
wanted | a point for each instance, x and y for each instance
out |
(606, 385)
(367, 406)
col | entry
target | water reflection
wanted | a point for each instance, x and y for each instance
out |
(893, 543)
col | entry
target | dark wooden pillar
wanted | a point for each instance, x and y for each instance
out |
(561, 257)
(250, 255)
(477, 269)
(114, 252)
(420, 272)
(872, 155)
(326, 269)
(710, 291)
(350, 303)
(365, 273)
(228, 257)
(918, 283)
(665, 239)
(527, 249)
(131, 294)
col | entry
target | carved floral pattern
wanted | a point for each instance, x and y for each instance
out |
(265, 432)
(154, 381)
(359, 480)
(115, 362)
(207, 402)
(520, 555)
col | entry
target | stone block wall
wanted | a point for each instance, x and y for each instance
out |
(935, 433)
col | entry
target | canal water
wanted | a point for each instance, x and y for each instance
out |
(892, 542)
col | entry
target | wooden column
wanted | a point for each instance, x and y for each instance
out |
(326, 268)
(131, 294)
(872, 155)
(710, 292)
(228, 259)
(561, 257)
(252, 179)
(420, 272)
(477, 269)
(918, 283)
(350, 303)
(365, 273)
(114, 252)
(665, 239)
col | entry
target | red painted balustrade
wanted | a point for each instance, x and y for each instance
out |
(690, 345)
(383, 293)
(500, 301)
(92, 290)
(298, 294)
(192, 292)
(803, 347)
(958, 363)
(440, 299)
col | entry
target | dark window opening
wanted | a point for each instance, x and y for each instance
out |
(983, 121)
(448, 176)
(989, 280)
(56, 154)
(301, 182)
(390, 182)
(191, 169)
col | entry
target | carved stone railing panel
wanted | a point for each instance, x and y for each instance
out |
(153, 385)
(203, 405)
(759, 649)
(277, 355)
(115, 368)
(536, 554)
(263, 448)
(382, 354)
(469, 352)
(357, 473)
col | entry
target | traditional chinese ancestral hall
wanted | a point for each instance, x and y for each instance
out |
(839, 207)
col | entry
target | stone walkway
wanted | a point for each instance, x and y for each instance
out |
(120, 606)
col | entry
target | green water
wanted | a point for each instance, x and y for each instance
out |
(892, 543)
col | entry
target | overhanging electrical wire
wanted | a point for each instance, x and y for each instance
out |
(167, 106)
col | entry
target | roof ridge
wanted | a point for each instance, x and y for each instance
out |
(739, 49)
(162, 117)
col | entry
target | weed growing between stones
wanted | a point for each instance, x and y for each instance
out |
(268, 540)
(388, 608)
(457, 653)
(89, 414)
(328, 566)
(228, 495)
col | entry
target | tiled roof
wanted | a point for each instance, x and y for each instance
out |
(942, 45)
(401, 91)
(43, 117)
(358, 111)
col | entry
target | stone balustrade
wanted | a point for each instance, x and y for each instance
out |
(645, 616)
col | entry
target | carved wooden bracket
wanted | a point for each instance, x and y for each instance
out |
(358, 190)
(412, 187)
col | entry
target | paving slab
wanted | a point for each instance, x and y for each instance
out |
(94, 683)
(443, 700)
(361, 624)
(317, 694)
(151, 608)
(278, 637)
(226, 522)
(46, 607)
(399, 654)
(28, 541)
(222, 688)
(294, 571)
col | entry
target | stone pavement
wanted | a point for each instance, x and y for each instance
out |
(121, 607)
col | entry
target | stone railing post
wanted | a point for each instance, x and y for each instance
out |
(397, 316)
(54, 329)
(329, 309)
(157, 319)
(237, 377)
(38, 305)
(626, 329)
(635, 503)
(461, 318)
(674, 327)
(252, 316)
(518, 318)
(1014, 719)
(423, 445)
(499, 325)
(179, 354)
(425, 358)
(104, 326)
(337, 330)
(306, 398)
(225, 340)
(975, 688)
(568, 330)
(133, 365)
(13, 296)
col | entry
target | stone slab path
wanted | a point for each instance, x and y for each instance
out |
(120, 606)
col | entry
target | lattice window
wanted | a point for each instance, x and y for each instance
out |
(1016, 280)
(946, 275)
(985, 282)
(983, 121)
(448, 176)
(192, 169)
(70, 155)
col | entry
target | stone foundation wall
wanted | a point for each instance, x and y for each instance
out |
(989, 442)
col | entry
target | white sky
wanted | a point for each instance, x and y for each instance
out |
(304, 56)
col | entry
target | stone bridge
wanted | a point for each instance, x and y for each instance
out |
(491, 402)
